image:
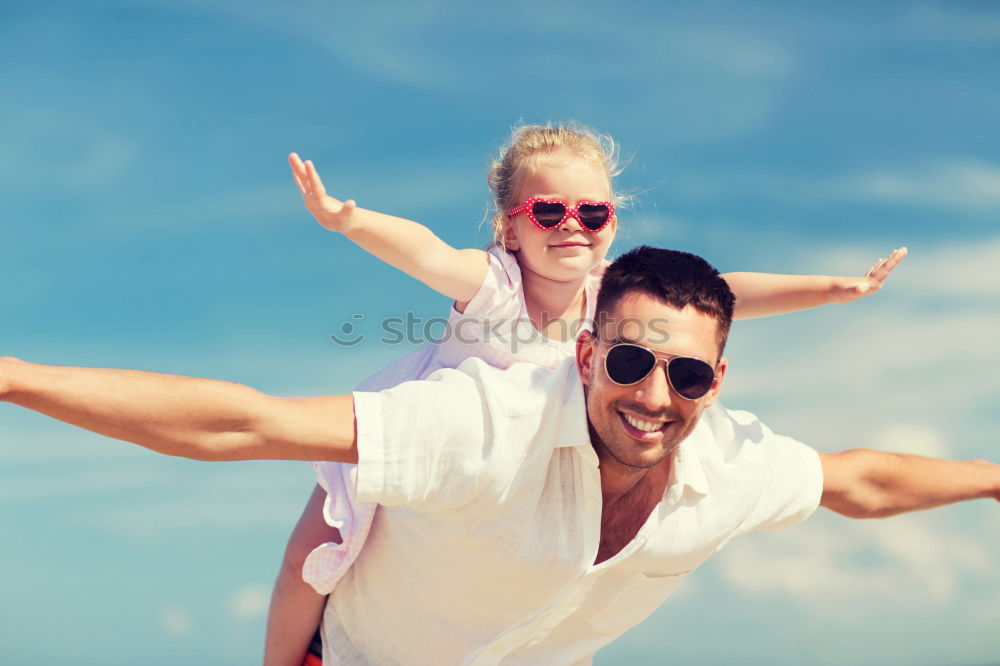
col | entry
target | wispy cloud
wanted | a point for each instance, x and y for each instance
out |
(904, 367)
(933, 20)
(831, 562)
(387, 46)
(735, 51)
(904, 372)
(249, 602)
(176, 621)
(960, 183)
(919, 439)
(416, 187)
(49, 150)
(966, 273)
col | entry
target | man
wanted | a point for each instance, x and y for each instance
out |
(530, 516)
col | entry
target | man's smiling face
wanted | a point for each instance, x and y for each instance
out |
(641, 424)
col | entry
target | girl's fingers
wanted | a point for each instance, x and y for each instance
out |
(314, 180)
(298, 172)
(296, 163)
(301, 185)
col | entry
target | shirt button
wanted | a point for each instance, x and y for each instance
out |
(496, 649)
(591, 502)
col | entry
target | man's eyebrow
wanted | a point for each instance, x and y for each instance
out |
(618, 339)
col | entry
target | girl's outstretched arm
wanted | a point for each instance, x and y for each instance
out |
(764, 294)
(407, 245)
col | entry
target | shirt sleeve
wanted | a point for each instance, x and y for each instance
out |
(789, 473)
(423, 443)
(499, 290)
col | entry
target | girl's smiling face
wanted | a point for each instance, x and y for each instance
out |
(569, 251)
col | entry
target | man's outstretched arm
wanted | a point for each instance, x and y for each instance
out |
(179, 416)
(864, 483)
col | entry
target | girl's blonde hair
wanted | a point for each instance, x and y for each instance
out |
(530, 142)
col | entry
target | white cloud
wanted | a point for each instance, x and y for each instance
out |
(894, 374)
(640, 227)
(386, 47)
(957, 271)
(274, 203)
(830, 563)
(961, 183)
(60, 151)
(417, 186)
(906, 369)
(249, 602)
(964, 184)
(736, 52)
(837, 385)
(985, 610)
(235, 496)
(176, 621)
(933, 21)
(917, 438)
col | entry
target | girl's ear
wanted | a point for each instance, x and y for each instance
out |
(509, 238)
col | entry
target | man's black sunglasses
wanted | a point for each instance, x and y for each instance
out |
(628, 363)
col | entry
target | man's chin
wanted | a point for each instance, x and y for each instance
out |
(631, 453)
(632, 447)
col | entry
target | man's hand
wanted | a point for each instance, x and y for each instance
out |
(331, 213)
(847, 290)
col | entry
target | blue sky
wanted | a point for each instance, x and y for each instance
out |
(149, 221)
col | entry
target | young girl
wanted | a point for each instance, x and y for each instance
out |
(521, 300)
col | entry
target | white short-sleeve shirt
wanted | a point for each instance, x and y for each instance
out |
(483, 551)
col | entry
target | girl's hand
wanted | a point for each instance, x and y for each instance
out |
(847, 290)
(331, 213)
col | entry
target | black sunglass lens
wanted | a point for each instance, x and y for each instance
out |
(691, 377)
(628, 364)
(548, 214)
(593, 216)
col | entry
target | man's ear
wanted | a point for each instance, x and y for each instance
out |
(720, 374)
(586, 348)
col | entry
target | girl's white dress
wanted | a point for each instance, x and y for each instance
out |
(494, 327)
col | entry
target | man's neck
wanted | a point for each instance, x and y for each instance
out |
(618, 480)
(629, 496)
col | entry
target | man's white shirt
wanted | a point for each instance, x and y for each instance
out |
(483, 549)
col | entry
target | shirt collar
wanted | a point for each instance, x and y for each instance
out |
(687, 468)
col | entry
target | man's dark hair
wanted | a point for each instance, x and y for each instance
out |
(674, 278)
